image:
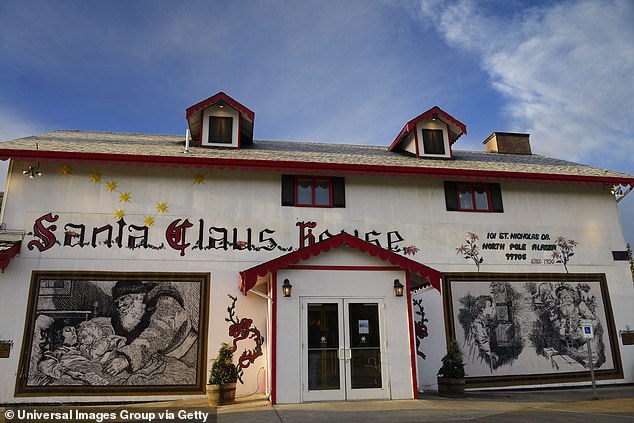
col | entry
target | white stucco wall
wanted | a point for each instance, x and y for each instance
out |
(413, 207)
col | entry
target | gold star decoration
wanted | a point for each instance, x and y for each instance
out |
(149, 221)
(161, 207)
(119, 213)
(111, 186)
(95, 178)
(124, 197)
(65, 170)
(199, 179)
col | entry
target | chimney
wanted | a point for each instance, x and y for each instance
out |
(507, 143)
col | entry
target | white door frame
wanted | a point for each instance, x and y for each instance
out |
(344, 353)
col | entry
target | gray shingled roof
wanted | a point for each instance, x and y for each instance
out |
(145, 147)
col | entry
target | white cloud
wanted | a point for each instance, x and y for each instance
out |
(566, 70)
(13, 126)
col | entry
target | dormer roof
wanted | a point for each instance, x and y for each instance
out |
(194, 116)
(455, 128)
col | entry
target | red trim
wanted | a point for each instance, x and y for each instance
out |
(8, 254)
(274, 339)
(288, 166)
(472, 187)
(313, 186)
(216, 98)
(249, 277)
(411, 125)
(412, 344)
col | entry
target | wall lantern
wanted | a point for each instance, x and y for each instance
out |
(32, 172)
(398, 288)
(287, 288)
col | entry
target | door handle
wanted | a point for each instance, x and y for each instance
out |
(341, 354)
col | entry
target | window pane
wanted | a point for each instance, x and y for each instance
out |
(220, 129)
(433, 142)
(322, 192)
(481, 201)
(304, 191)
(465, 198)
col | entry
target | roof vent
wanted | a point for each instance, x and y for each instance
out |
(507, 143)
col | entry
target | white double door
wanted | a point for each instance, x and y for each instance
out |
(343, 349)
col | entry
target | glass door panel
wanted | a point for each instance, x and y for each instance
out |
(365, 346)
(323, 347)
(322, 354)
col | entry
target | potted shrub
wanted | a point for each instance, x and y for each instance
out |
(451, 374)
(221, 388)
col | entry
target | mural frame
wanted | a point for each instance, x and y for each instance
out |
(479, 381)
(165, 281)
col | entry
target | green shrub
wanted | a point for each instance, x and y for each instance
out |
(223, 370)
(452, 365)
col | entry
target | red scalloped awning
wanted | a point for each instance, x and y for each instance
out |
(8, 250)
(248, 278)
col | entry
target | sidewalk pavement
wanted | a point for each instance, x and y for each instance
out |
(614, 405)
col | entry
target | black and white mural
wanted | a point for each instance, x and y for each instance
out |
(518, 329)
(109, 332)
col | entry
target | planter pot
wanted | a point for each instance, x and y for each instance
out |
(222, 394)
(449, 387)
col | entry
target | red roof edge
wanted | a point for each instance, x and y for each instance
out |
(8, 254)
(248, 278)
(409, 126)
(216, 98)
(292, 166)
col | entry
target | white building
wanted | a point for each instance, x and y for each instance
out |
(503, 250)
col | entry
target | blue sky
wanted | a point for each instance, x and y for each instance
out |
(349, 71)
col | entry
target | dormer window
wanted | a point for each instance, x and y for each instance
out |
(433, 141)
(431, 134)
(220, 130)
(220, 126)
(220, 121)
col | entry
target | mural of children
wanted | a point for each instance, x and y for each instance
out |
(96, 337)
(63, 363)
(480, 332)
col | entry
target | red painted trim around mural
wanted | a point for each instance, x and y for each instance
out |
(274, 338)
(305, 167)
(248, 278)
(412, 342)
